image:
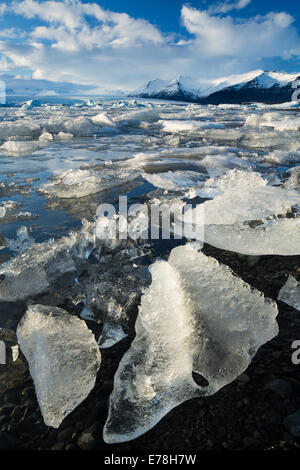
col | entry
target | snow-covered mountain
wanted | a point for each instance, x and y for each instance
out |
(258, 86)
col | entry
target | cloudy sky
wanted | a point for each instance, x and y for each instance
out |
(119, 44)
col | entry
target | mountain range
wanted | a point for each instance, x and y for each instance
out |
(255, 86)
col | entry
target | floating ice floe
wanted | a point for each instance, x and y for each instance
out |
(81, 183)
(290, 292)
(111, 293)
(196, 318)
(174, 180)
(282, 157)
(64, 136)
(103, 120)
(22, 148)
(46, 137)
(32, 270)
(32, 104)
(80, 126)
(63, 358)
(187, 126)
(73, 184)
(274, 120)
(147, 115)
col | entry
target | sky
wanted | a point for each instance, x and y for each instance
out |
(120, 44)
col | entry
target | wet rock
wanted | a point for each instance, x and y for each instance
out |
(281, 387)
(87, 439)
(292, 423)
(65, 435)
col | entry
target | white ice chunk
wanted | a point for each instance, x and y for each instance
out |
(64, 136)
(187, 126)
(63, 358)
(276, 237)
(293, 181)
(174, 180)
(290, 292)
(81, 183)
(282, 157)
(103, 120)
(196, 317)
(46, 137)
(256, 203)
(81, 126)
(233, 178)
(20, 148)
(147, 115)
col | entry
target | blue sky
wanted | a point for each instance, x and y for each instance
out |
(119, 44)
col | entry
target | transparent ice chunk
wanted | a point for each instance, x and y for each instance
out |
(196, 317)
(63, 358)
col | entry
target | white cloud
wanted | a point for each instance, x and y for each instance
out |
(227, 6)
(266, 36)
(82, 42)
(3, 9)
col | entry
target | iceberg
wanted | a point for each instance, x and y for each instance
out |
(63, 358)
(198, 322)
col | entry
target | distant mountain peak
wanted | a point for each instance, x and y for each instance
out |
(256, 85)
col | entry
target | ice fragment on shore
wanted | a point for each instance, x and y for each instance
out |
(111, 293)
(290, 292)
(63, 358)
(197, 317)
